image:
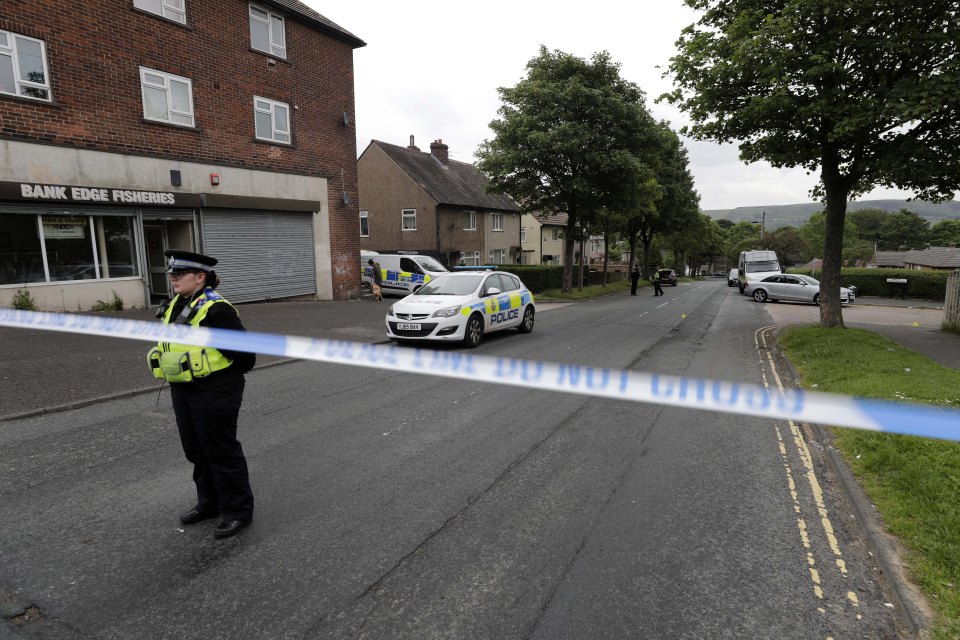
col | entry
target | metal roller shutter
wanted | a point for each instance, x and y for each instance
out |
(262, 254)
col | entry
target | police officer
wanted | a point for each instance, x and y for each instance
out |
(206, 386)
(657, 289)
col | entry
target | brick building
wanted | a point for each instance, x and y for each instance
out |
(128, 127)
(417, 202)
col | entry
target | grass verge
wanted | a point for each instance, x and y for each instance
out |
(592, 291)
(915, 482)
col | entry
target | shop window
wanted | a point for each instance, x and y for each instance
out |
(116, 247)
(267, 32)
(272, 120)
(23, 66)
(166, 97)
(78, 247)
(364, 224)
(170, 9)
(69, 247)
(409, 219)
(21, 259)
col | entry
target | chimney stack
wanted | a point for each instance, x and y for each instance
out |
(412, 146)
(439, 151)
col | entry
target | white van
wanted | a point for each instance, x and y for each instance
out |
(402, 274)
(755, 266)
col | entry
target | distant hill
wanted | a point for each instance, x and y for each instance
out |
(796, 214)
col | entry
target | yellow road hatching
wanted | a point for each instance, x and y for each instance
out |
(815, 487)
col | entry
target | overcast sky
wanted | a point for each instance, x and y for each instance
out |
(431, 69)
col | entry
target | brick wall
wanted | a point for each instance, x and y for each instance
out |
(94, 52)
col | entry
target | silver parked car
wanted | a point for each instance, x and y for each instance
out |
(795, 287)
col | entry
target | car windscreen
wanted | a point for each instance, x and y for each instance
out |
(430, 264)
(765, 265)
(449, 286)
(808, 279)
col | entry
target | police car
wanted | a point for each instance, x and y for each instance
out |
(462, 306)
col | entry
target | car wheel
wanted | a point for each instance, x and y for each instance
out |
(526, 325)
(816, 299)
(474, 332)
(729, 284)
(760, 295)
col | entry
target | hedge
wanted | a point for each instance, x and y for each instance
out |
(925, 285)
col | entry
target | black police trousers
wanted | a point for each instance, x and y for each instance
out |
(207, 420)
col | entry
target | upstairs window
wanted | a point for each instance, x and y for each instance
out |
(523, 235)
(272, 120)
(267, 32)
(23, 67)
(498, 222)
(166, 97)
(364, 224)
(409, 219)
(469, 220)
(171, 9)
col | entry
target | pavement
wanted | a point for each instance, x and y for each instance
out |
(44, 371)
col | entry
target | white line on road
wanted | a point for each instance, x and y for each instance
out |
(663, 305)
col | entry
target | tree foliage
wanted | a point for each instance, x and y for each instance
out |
(903, 229)
(862, 92)
(945, 233)
(569, 136)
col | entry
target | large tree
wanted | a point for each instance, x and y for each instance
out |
(569, 136)
(863, 91)
(945, 233)
(904, 229)
(675, 203)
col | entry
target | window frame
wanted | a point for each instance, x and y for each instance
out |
(364, 218)
(471, 222)
(502, 253)
(269, 22)
(167, 77)
(523, 234)
(496, 223)
(406, 214)
(474, 256)
(272, 111)
(166, 5)
(10, 50)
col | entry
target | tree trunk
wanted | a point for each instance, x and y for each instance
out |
(831, 314)
(582, 259)
(632, 240)
(606, 252)
(647, 241)
(568, 241)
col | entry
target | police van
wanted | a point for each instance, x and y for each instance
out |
(401, 274)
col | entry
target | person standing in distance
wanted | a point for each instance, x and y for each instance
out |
(634, 279)
(206, 386)
(377, 285)
(657, 289)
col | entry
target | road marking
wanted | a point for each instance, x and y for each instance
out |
(663, 305)
(760, 340)
(643, 314)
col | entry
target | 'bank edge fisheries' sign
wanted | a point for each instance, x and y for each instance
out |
(33, 192)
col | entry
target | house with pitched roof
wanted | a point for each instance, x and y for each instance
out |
(933, 258)
(542, 238)
(417, 202)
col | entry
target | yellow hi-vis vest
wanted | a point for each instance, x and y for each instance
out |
(183, 362)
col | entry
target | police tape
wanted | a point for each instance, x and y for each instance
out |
(693, 393)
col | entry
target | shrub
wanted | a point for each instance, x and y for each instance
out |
(114, 305)
(537, 277)
(926, 285)
(23, 301)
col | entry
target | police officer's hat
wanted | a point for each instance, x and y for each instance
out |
(179, 261)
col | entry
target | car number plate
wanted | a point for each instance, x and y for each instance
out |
(408, 326)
